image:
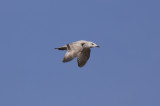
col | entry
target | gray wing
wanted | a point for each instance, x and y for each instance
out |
(83, 57)
(72, 52)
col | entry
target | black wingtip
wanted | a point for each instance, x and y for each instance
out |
(61, 48)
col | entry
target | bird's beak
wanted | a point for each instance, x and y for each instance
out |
(97, 46)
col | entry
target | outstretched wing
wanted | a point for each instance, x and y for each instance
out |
(83, 57)
(72, 51)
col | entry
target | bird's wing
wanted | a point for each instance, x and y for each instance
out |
(83, 57)
(72, 51)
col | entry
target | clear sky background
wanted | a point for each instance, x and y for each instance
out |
(124, 71)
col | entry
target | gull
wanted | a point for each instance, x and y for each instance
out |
(79, 49)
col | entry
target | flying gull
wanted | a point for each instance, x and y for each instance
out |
(79, 49)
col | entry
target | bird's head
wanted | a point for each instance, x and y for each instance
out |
(91, 45)
(88, 44)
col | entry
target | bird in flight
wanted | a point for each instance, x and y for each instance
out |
(79, 49)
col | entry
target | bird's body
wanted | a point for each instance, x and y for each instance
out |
(79, 49)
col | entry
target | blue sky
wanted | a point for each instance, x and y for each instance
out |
(123, 72)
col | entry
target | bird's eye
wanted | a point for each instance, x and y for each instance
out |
(92, 44)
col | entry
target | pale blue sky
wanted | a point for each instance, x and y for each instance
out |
(125, 71)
